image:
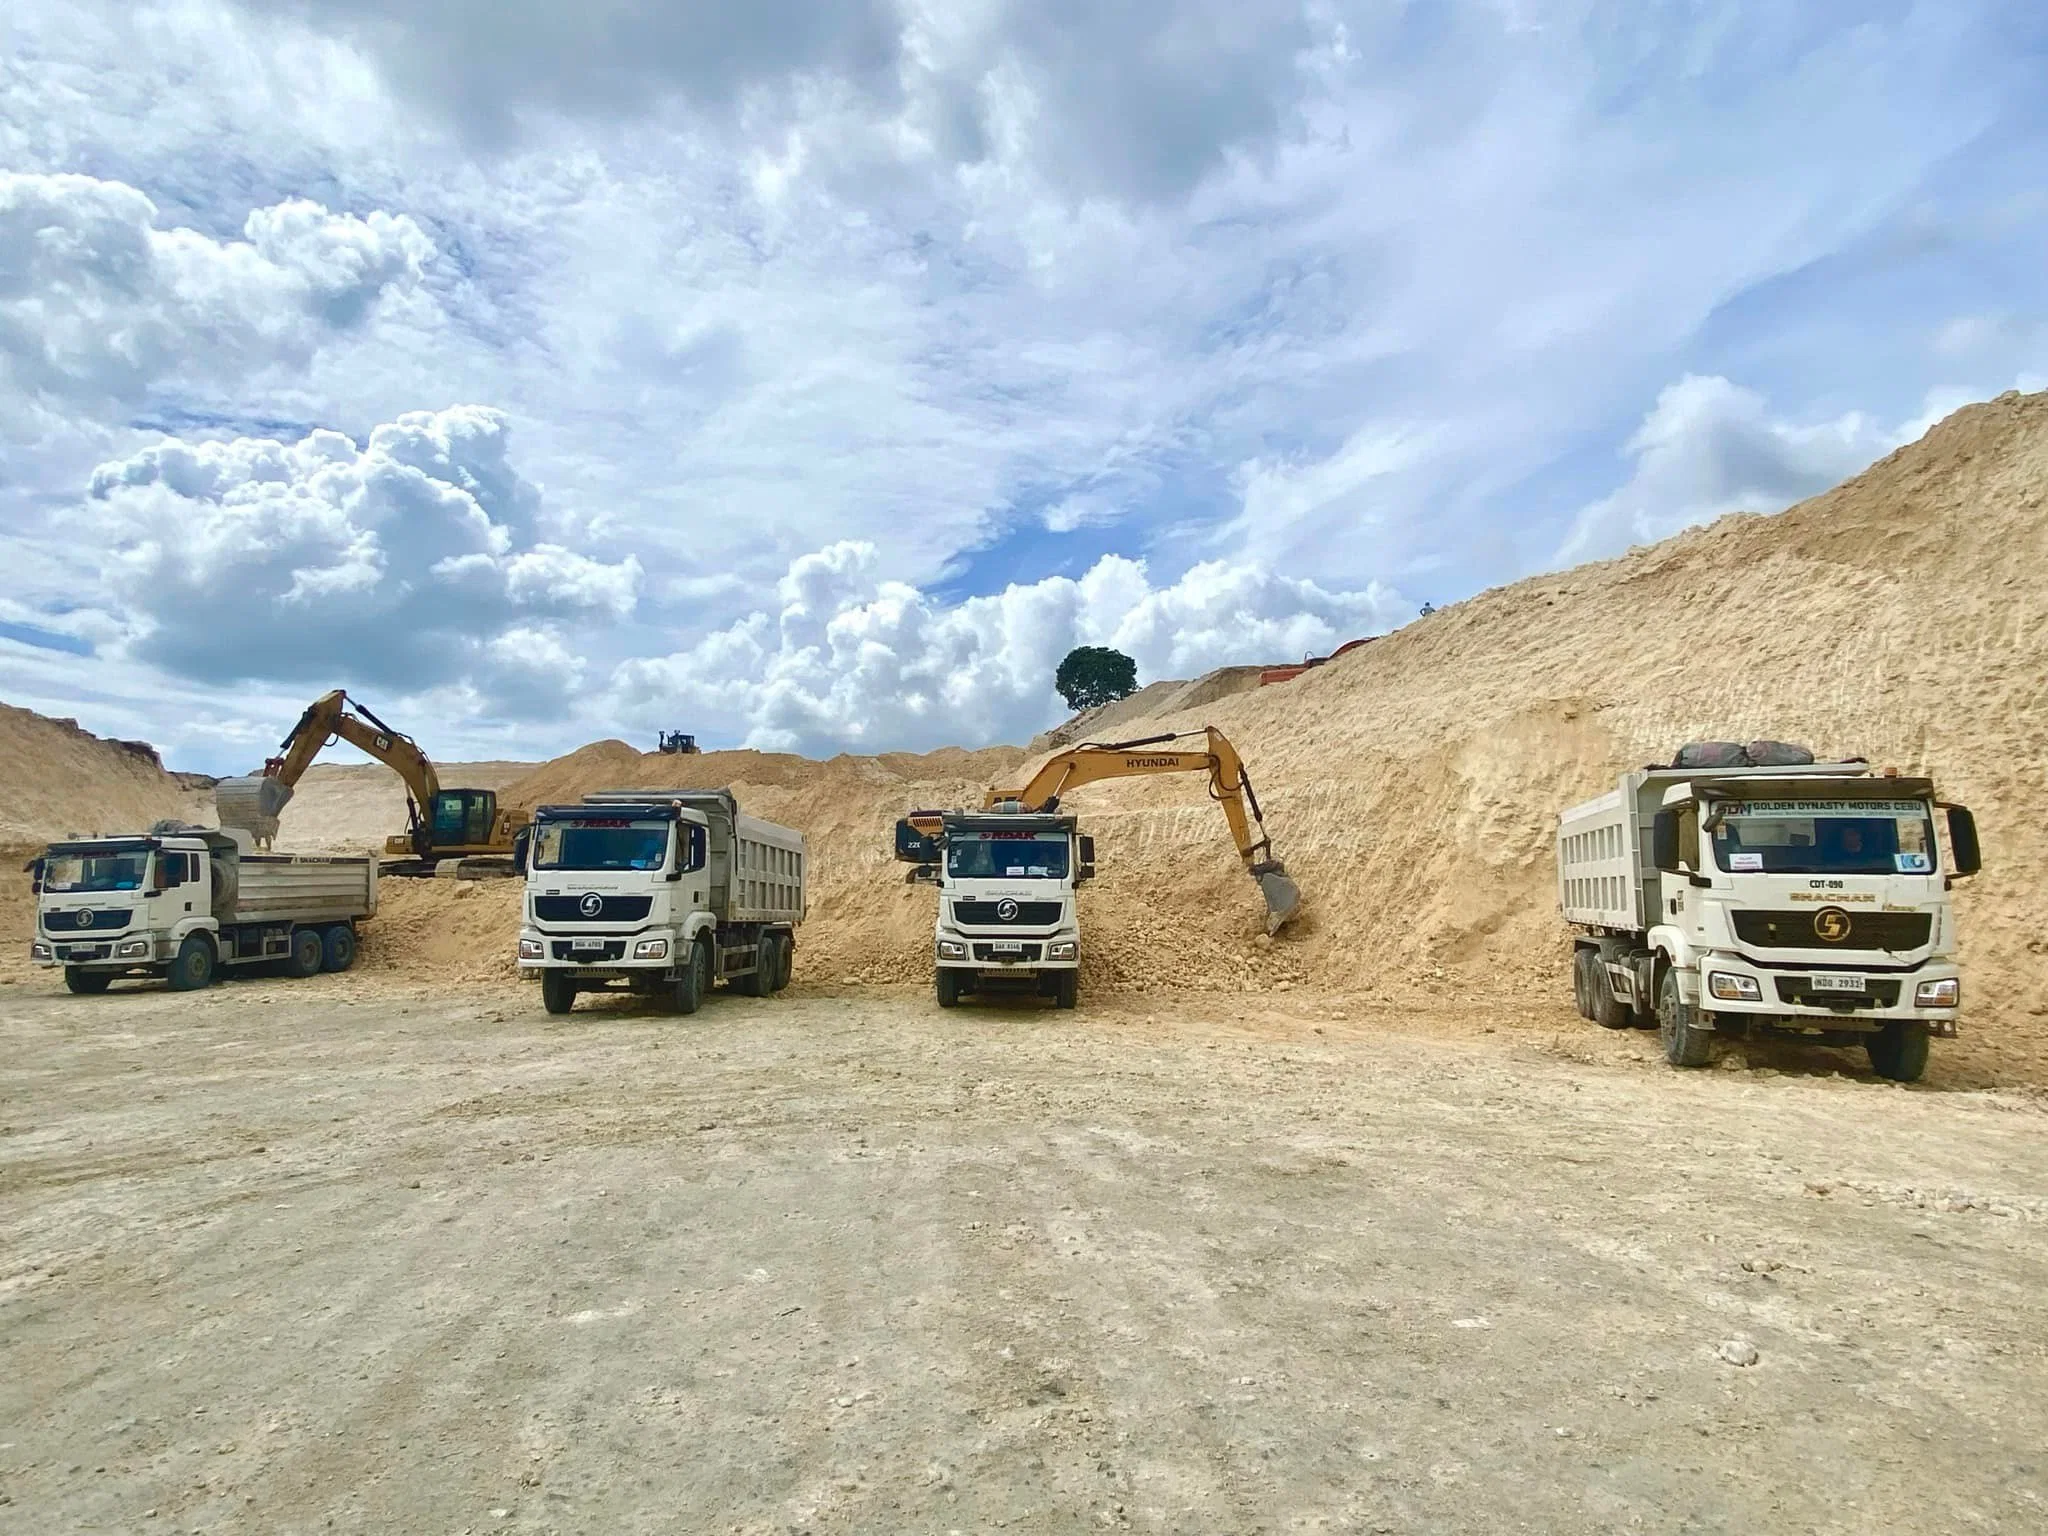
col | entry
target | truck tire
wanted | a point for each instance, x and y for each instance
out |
(557, 991)
(1582, 982)
(193, 969)
(785, 959)
(87, 983)
(338, 948)
(947, 984)
(757, 982)
(1067, 989)
(695, 980)
(1609, 1011)
(771, 964)
(308, 954)
(1685, 1043)
(1899, 1051)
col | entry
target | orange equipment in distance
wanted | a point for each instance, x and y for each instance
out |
(1229, 785)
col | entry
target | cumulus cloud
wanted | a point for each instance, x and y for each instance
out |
(1709, 447)
(97, 304)
(854, 660)
(1135, 100)
(412, 561)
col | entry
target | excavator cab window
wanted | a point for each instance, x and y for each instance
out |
(464, 817)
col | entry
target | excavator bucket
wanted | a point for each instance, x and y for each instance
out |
(251, 803)
(1283, 896)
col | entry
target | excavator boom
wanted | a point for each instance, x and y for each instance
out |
(1229, 785)
(253, 803)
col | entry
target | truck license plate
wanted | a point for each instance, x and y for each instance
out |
(1006, 947)
(1838, 983)
(586, 943)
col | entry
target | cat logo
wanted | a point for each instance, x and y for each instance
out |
(1832, 924)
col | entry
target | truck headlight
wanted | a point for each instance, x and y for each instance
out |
(532, 949)
(949, 950)
(39, 951)
(1064, 949)
(1938, 994)
(651, 949)
(1734, 989)
(133, 947)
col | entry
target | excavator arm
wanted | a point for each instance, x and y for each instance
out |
(253, 803)
(1229, 785)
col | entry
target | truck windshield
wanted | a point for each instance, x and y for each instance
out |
(87, 872)
(1825, 837)
(600, 842)
(1007, 856)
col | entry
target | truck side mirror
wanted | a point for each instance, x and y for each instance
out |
(1962, 841)
(522, 842)
(1087, 871)
(1664, 841)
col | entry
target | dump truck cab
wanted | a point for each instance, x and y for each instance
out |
(1008, 883)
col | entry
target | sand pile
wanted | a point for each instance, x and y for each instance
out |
(62, 781)
(1106, 721)
(353, 807)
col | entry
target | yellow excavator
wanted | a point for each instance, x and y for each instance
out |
(1229, 785)
(442, 823)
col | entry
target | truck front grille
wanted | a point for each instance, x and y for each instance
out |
(1893, 931)
(564, 950)
(1024, 954)
(74, 922)
(985, 914)
(1876, 993)
(610, 909)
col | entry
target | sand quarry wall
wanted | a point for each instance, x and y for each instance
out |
(1412, 785)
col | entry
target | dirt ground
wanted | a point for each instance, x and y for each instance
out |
(343, 1255)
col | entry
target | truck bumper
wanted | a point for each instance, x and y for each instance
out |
(996, 956)
(127, 954)
(1735, 987)
(596, 956)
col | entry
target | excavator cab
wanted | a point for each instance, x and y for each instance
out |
(463, 818)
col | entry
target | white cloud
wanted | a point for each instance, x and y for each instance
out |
(408, 562)
(1709, 448)
(856, 660)
(98, 304)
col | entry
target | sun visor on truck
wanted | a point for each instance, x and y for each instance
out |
(609, 811)
(1862, 787)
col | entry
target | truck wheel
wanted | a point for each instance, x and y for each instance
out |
(785, 959)
(695, 980)
(756, 982)
(87, 983)
(1067, 989)
(308, 954)
(947, 984)
(193, 969)
(1609, 1011)
(1582, 982)
(1685, 1043)
(338, 948)
(771, 965)
(1899, 1051)
(557, 991)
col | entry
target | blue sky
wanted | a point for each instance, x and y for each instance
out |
(814, 376)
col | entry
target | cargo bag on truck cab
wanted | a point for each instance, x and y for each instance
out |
(1711, 754)
(1776, 754)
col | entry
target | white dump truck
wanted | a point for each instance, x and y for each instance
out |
(661, 892)
(1804, 900)
(185, 903)
(1008, 917)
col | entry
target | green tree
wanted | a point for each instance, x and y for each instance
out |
(1094, 674)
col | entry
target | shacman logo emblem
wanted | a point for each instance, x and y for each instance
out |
(1832, 924)
(1006, 909)
(591, 904)
(85, 919)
